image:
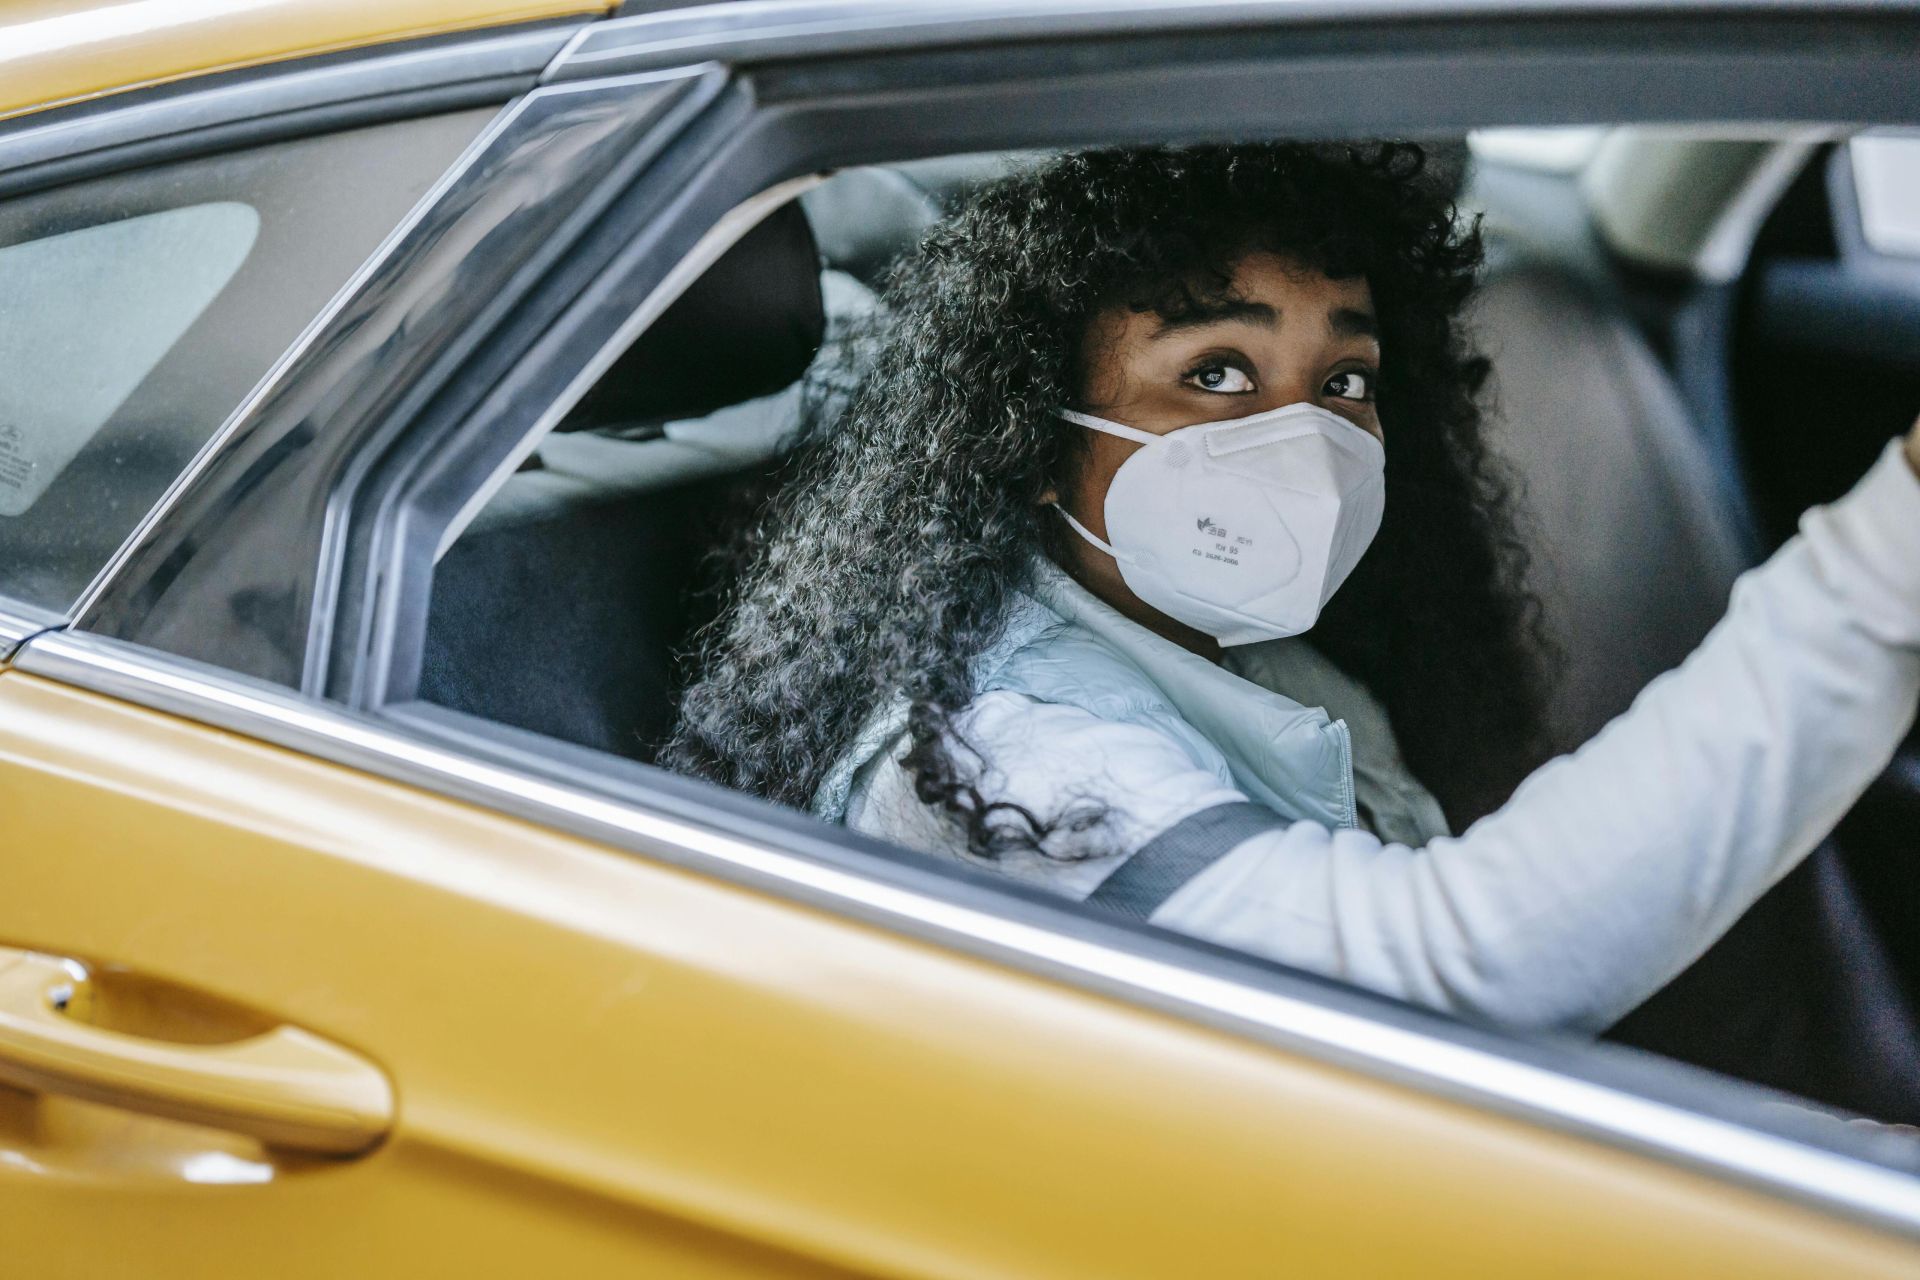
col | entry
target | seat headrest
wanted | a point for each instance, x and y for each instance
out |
(746, 328)
(867, 218)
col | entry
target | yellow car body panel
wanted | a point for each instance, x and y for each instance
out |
(59, 51)
(607, 1065)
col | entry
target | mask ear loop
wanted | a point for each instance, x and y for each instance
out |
(1111, 428)
(1106, 425)
(1083, 531)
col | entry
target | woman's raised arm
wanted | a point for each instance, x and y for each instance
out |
(1608, 872)
(1611, 869)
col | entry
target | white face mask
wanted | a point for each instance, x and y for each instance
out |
(1242, 529)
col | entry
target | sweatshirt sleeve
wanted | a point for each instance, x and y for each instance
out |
(1612, 868)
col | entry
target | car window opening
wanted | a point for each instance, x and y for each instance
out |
(569, 605)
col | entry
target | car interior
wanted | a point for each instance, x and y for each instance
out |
(1695, 335)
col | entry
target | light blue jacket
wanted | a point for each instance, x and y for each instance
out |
(1062, 645)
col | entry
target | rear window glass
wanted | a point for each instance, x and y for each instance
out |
(1886, 174)
(90, 314)
(141, 308)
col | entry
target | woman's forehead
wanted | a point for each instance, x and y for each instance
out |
(1273, 279)
(1264, 291)
(1257, 285)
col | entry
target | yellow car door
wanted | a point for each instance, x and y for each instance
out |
(271, 1012)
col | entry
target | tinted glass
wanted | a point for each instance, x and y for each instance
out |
(140, 309)
(1886, 172)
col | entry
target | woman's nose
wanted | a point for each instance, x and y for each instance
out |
(1286, 391)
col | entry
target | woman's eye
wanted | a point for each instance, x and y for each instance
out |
(1350, 384)
(1222, 378)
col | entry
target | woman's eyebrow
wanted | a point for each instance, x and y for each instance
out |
(1203, 314)
(1352, 322)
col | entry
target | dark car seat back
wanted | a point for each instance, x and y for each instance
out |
(1637, 535)
(562, 609)
(747, 327)
(1634, 535)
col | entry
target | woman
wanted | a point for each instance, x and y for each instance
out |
(1047, 597)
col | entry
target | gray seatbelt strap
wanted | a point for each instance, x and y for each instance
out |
(1158, 868)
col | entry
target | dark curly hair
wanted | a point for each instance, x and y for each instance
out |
(884, 562)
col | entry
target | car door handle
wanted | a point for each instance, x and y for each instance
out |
(285, 1086)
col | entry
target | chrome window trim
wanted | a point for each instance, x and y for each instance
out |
(748, 31)
(19, 623)
(1290, 1012)
(117, 119)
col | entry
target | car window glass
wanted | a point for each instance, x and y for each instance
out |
(1886, 174)
(142, 307)
(104, 303)
(1563, 150)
